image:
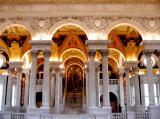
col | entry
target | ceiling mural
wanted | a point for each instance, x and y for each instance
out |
(15, 34)
(125, 38)
(63, 32)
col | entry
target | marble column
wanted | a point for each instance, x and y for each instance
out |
(18, 86)
(121, 89)
(128, 90)
(26, 93)
(137, 89)
(149, 74)
(32, 84)
(142, 93)
(97, 84)
(52, 89)
(106, 101)
(9, 89)
(4, 78)
(46, 81)
(61, 88)
(87, 86)
(92, 83)
(57, 91)
(159, 77)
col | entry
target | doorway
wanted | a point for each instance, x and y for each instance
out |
(75, 87)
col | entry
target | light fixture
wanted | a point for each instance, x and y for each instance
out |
(153, 58)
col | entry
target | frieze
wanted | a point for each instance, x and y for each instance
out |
(94, 23)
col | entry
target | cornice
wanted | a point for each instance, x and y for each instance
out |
(100, 9)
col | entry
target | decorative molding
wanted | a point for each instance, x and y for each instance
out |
(94, 23)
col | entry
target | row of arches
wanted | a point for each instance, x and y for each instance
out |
(23, 41)
(69, 47)
(73, 22)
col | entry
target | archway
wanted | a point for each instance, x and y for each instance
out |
(113, 102)
(69, 47)
(126, 37)
(39, 99)
(75, 83)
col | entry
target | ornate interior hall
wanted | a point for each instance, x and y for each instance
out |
(79, 59)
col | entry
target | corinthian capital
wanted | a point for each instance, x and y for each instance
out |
(148, 52)
(104, 52)
(92, 53)
(34, 53)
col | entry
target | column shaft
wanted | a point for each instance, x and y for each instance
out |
(87, 93)
(137, 91)
(9, 89)
(46, 81)
(18, 88)
(4, 92)
(92, 84)
(32, 84)
(52, 90)
(142, 93)
(150, 77)
(121, 89)
(128, 88)
(57, 91)
(106, 101)
(26, 94)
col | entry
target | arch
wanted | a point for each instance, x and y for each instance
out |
(74, 64)
(121, 54)
(131, 23)
(72, 57)
(66, 22)
(61, 55)
(8, 24)
(4, 47)
(27, 57)
(26, 47)
(114, 60)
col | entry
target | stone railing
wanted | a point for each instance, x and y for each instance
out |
(111, 81)
(119, 116)
(134, 115)
(39, 81)
(144, 115)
